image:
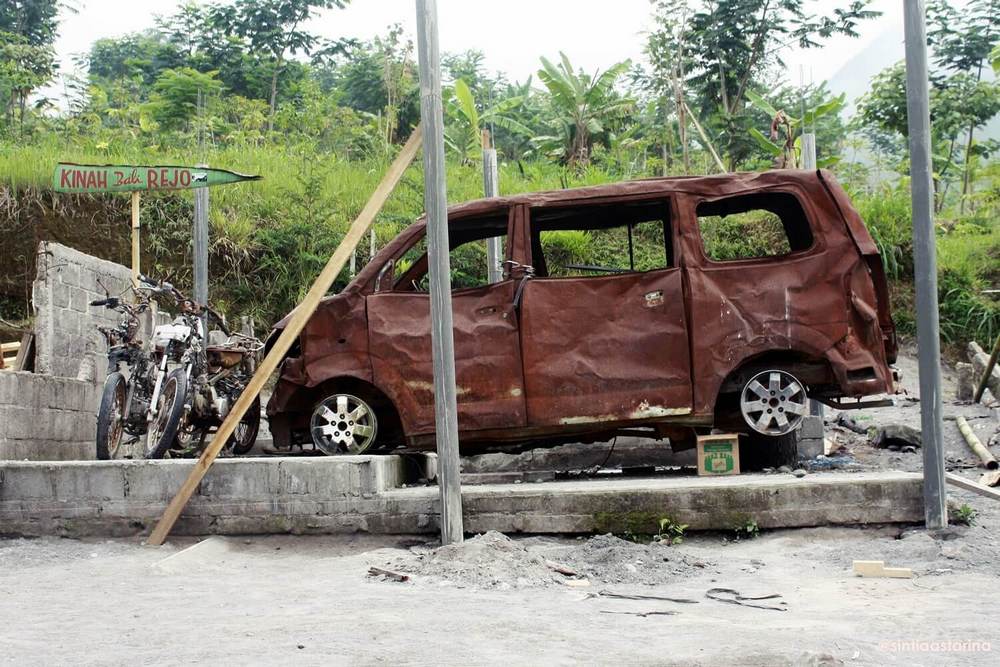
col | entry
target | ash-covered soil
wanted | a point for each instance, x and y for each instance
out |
(493, 560)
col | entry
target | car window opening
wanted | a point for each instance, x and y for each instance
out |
(591, 241)
(467, 242)
(753, 226)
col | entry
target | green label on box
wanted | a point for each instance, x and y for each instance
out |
(719, 457)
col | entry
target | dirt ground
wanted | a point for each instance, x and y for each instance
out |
(310, 600)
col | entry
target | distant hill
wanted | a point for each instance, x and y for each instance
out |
(856, 74)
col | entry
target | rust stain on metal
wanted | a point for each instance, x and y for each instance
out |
(541, 356)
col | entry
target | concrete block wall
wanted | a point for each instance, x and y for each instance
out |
(65, 325)
(44, 418)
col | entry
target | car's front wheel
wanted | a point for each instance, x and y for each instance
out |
(343, 424)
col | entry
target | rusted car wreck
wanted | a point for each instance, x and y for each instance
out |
(689, 336)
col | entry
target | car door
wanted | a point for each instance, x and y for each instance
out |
(609, 347)
(489, 377)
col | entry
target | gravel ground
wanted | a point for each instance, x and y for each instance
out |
(310, 600)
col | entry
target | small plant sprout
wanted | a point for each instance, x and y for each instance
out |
(965, 515)
(747, 528)
(671, 532)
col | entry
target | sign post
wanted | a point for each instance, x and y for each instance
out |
(93, 178)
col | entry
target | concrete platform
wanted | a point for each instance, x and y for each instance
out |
(367, 494)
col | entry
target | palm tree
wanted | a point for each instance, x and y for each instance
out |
(584, 105)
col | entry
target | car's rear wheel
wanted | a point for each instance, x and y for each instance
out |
(344, 424)
(773, 403)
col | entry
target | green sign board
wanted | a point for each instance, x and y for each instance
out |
(70, 177)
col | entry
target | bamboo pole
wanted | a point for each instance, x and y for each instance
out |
(135, 239)
(976, 445)
(300, 316)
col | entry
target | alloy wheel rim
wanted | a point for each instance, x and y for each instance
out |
(774, 403)
(343, 424)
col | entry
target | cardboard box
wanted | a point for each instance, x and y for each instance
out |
(719, 454)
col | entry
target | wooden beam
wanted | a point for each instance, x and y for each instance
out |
(969, 485)
(300, 316)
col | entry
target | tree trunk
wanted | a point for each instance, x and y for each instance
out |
(967, 173)
(274, 95)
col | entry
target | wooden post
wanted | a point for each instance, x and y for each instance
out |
(135, 239)
(439, 270)
(298, 320)
(491, 188)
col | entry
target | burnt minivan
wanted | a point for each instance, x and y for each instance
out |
(724, 302)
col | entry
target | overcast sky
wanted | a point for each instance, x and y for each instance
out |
(512, 33)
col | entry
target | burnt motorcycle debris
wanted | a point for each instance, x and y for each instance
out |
(689, 336)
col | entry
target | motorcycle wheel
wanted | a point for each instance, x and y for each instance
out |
(169, 410)
(111, 417)
(245, 436)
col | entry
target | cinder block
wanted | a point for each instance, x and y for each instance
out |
(246, 479)
(809, 448)
(83, 482)
(325, 477)
(812, 427)
(70, 275)
(60, 295)
(154, 480)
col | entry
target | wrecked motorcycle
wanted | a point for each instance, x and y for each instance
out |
(198, 383)
(128, 386)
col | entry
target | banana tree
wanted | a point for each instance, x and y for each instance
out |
(584, 107)
(787, 129)
(462, 136)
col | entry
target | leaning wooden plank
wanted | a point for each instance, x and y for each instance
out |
(294, 327)
(969, 485)
(25, 360)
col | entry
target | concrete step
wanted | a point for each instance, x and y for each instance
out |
(366, 494)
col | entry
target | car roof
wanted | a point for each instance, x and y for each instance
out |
(719, 185)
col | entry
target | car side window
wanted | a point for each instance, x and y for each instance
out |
(594, 240)
(467, 239)
(754, 226)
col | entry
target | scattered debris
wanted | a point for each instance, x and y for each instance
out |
(896, 436)
(848, 422)
(637, 596)
(561, 569)
(991, 478)
(386, 574)
(877, 568)
(976, 445)
(733, 597)
(643, 614)
(799, 472)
